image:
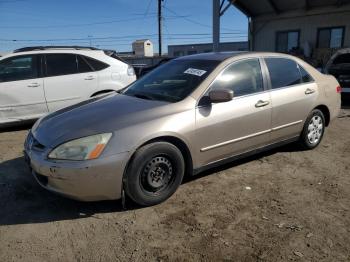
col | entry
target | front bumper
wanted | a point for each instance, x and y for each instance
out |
(92, 180)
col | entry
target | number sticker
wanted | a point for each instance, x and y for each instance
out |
(196, 72)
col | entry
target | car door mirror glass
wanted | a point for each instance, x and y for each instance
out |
(220, 95)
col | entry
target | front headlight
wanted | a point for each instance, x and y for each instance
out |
(85, 148)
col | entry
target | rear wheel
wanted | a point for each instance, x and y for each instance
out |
(154, 174)
(313, 130)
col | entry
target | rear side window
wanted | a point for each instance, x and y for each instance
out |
(61, 64)
(19, 68)
(95, 64)
(83, 66)
(283, 72)
(305, 76)
(243, 78)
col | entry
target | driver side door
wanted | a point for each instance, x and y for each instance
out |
(21, 88)
(240, 125)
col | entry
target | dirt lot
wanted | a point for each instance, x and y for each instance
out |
(282, 205)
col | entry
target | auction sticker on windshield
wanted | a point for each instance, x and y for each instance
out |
(196, 72)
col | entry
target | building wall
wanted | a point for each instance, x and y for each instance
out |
(148, 48)
(142, 48)
(308, 22)
(190, 49)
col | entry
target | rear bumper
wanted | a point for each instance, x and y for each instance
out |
(93, 180)
(345, 96)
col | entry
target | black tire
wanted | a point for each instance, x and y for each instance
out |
(154, 173)
(304, 140)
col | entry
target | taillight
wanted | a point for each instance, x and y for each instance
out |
(338, 89)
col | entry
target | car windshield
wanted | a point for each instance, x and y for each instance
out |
(172, 81)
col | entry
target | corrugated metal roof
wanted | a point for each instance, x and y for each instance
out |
(255, 8)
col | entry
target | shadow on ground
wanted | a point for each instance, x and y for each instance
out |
(23, 201)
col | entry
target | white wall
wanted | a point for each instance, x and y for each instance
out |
(148, 49)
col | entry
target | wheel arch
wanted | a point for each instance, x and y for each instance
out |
(325, 110)
(179, 143)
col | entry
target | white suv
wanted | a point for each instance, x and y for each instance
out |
(37, 80)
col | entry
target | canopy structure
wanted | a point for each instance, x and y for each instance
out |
(253, 8)
(258, 8)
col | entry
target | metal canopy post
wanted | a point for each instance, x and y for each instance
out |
(216, 25)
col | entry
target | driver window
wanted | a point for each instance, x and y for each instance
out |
(242, 77)
(19, 68)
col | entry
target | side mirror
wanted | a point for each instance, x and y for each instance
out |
(220, 95)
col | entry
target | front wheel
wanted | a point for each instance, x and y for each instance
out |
(155, 172)
(313, 130)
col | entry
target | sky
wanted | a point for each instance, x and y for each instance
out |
(112, 24)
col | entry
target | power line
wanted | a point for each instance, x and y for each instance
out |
(125, 37)
(76, 25)
(11, 1)
(87, 40)
(193, 21)
(89, 24)
(126, 42)
(147, 8)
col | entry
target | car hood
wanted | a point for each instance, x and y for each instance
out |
(97, 115)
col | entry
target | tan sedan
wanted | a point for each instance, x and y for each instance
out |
(188, 115)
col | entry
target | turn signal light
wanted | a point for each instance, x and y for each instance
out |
(338, 89)
(97, 151)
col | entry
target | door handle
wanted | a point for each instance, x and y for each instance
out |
(89, 78)
(33, 85)
(309, 91)
(262, 103)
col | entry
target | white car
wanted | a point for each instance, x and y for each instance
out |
(37, 80)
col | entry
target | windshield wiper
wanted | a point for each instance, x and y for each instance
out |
(143, 96)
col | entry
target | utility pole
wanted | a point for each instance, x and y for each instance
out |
(90, 36)
(160, 27)
(216, 25)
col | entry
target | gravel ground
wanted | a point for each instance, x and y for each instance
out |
(282, 205)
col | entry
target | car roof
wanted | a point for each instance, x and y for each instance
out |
(58, 50)
(38, 48)
(221, 56)
(217, 56)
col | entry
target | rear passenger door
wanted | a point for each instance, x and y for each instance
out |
(69, 80)
(293, 93)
